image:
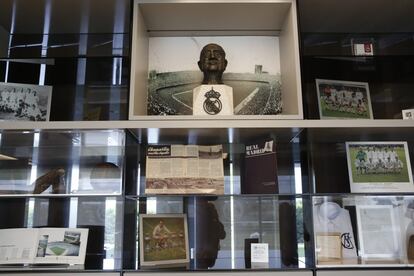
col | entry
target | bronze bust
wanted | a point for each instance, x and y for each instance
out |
(212, 63)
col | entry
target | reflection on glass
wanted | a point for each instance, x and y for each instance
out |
(370, 230)
(219, 226)
(101, 215)
(83, 88)
(61, 162)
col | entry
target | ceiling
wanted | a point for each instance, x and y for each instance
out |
(356, 16)
(66, 16)
(109, 16)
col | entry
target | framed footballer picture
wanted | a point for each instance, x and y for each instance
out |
(163, 240)
(377, 167)
(343, 99)
(25, 102)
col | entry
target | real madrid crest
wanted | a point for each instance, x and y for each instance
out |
(212, 104)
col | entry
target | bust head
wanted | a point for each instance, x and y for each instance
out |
(212, 63)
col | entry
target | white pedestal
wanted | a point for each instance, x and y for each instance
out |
(213, 100)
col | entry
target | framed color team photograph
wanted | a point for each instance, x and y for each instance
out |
(25, 102)
(343, 99)
(377, 167)
(163, 240)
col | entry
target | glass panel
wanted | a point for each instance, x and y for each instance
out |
(340, 44)
(101, 215)
(329, 159)
(285, 167)
(61, 162)
(354, 230)
(82, 88)
(221, 230)
(390, 81)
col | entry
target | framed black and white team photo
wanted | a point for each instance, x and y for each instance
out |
(25, 102)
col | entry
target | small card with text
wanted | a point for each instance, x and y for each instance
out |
(260, 255)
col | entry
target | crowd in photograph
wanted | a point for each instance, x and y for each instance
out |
(22, 102)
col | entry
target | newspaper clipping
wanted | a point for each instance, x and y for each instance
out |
(184, 169)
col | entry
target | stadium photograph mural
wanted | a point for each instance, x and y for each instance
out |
(253, 71)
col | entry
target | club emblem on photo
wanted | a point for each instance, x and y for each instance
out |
(212, 104)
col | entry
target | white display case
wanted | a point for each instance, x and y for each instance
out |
(234, 19)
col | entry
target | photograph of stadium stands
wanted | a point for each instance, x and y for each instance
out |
(163, 240)
(379, 167)
(24, 102)
(253, 71)
(343, 99)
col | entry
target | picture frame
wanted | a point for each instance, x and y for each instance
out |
(339, 99)
(379, 167)
(375, 221)
(163, 240)
(25, 102)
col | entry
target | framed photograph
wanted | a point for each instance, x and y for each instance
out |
(163, 240)
(25, 102)
(378, 232)
(255, 77)
(343, 99)
(377, 167)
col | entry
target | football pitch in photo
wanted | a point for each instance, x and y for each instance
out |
(342, 114)
(380, 177)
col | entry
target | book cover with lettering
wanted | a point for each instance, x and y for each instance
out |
(260, 168)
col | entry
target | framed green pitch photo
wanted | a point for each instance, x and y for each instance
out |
(377, 167)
